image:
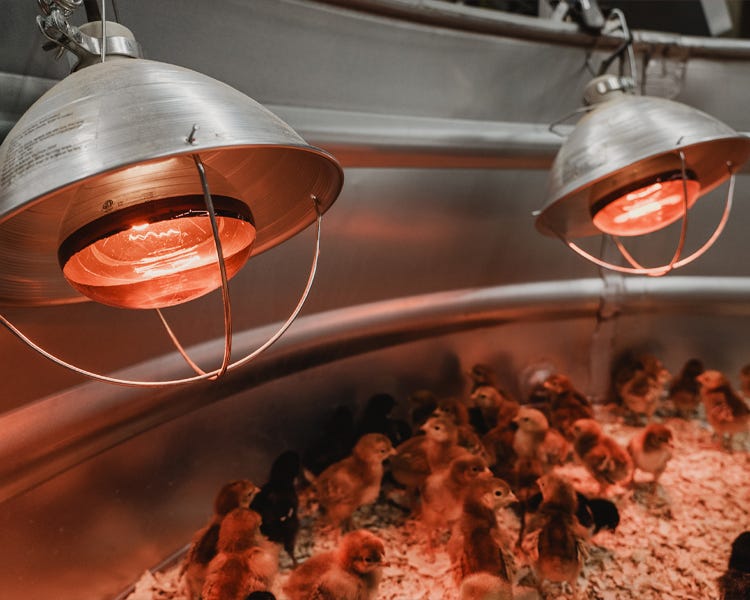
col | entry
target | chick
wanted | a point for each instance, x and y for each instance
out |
(485, 586)
(685, 390)
(354, 481)
(475, 545)
(734, 583)
(241, 565)
(594, 514)
(498, 445)
(376, 419)
(351, 572)
(726, 411)
(482, 375)
(489, 408)
(566, 404)
(651, 449)
(420, 455)
(561, 542)
(606, 460)
(443, 493)
(277, 502)
(534, 439)
(639, 385)
(235, 494)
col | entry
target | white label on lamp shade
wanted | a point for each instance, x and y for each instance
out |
(39, 144)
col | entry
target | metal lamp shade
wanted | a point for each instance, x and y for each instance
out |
(629, 140)
(65, 161)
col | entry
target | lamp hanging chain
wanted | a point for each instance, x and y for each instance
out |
(680, 263)
(206, 376)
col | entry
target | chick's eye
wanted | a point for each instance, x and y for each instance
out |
(498, 493)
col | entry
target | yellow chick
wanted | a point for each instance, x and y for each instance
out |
(354, 481)
(485, 586)
(535, 440)
(651, 449)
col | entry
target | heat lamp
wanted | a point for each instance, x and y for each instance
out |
(143, 185)
(633, 165)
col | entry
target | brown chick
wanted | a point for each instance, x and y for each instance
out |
(726, 412)
(475, 544)
(490, 408)
(235, 494)
(535, 440)
(561, 542)
(651, 449)
(640, 395)
(485, 586)
(606, 460)
(566, 404)
(443, 493)
(640, 386)
(351, 572)
(420, 455)
(242, 565)
(685, 389)
(354, 481)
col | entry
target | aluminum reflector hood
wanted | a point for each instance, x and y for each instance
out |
(131, 111)
(631, 138)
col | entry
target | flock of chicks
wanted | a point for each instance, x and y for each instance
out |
(450, 470)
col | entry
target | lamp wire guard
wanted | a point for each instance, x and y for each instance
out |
(664, 269)
(200, 377)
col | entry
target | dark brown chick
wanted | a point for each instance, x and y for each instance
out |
(242, 564)
(351, 572)
(685, 389)
(535, 440)
(420, 455)
(651, 449)
(354, 481)
(561, 542)
(606, 460)
(734, 583)
(203, 548)
(566, 404)
(475, 545)
(443, 493)
(490, 408)
(726, 412)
